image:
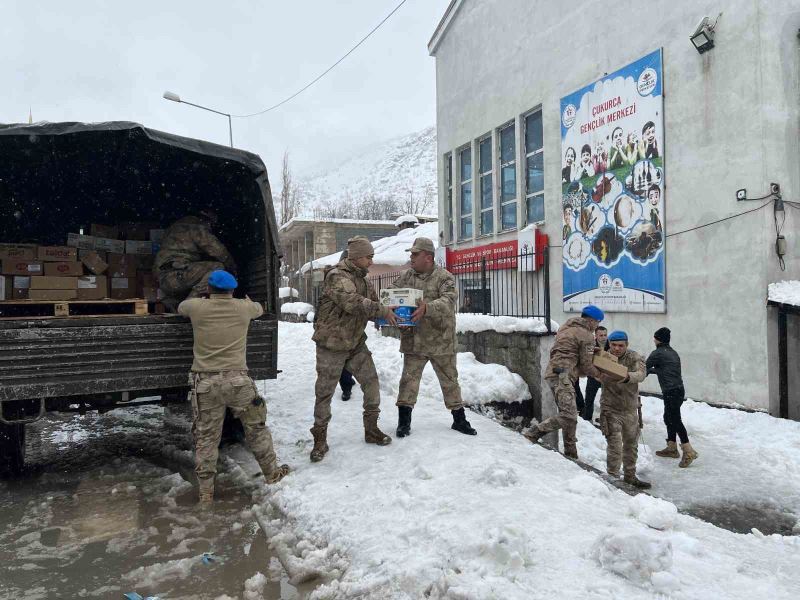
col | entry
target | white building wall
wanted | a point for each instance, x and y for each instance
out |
(731, 121)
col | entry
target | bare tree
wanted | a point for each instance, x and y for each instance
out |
(291, 193)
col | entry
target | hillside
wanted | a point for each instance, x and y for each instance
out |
(395, 176)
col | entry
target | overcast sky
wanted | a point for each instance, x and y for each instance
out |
(102, 61)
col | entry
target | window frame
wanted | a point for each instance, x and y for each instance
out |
(450, 224)
(461, 183)
(481, 176)
(501, 165)
(533, 196)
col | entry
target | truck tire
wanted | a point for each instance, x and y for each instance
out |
(12, 449)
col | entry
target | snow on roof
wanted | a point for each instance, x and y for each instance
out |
(389, 250)
(405, 219)
(785, 292)
(321, 220)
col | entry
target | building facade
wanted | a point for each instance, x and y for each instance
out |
(531, 98)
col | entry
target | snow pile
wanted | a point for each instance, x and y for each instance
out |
(653, 512)
(297, 308)
(635, 555)
(287, 292)
(390, 250)
(254, 587)
(310, 316)
(469, 322)
(405, 219)
(785, 292)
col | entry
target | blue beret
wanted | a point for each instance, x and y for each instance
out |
(593, 312)
(222, 280)
(618, 336)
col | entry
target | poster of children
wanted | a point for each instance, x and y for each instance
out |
(612, 181)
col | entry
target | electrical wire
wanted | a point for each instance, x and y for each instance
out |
(326, 71)
(720, 220)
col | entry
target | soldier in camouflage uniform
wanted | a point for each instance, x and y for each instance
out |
(621, 411)
(347, 304)
(220, 380)
(570, 357)
(433, 339)
(188, 253)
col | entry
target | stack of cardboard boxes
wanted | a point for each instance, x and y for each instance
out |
(89, 267)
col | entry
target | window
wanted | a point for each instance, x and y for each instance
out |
(508, 178)
(465, 197)
(450, 233)
(534, 168)
(486, 187)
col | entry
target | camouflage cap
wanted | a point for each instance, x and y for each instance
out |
(359, 247)
(422, 244)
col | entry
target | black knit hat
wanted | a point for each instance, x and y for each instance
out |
(663, 335)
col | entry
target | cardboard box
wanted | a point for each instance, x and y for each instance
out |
(608, 365)
(400, 297)
(53, 294)
(122, 288)
(63, 269)
(6, 287)
(156, 235)
(57, 253)
(101, 253)
(94, 263)
(104, 231)
(92, 287)
(136, 247)
(82, 242)
(109, 245)
(122, 265)
(22, 285)
(22, 267)
(18, 251)
(54, 283)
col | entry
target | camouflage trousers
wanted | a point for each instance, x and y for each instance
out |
(329, 369)
(622, 434)
(190, 282)
(444, 366)
(213, 392)
(567, 418)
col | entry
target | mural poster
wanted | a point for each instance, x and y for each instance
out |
(612, 180)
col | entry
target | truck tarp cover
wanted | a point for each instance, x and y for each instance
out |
(58, 177)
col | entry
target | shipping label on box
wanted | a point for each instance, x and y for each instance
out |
(608, 365)
(400, 297)
(104, 231)
(18, 252)
(92, 287)
(47, 282)
(122, 288)
(109, 245)
(22, 267)
(57, 253)
(6, 287)
(53, 294)
(92, 261)
(82, 242)
(63, 269)
(122, 265)
(136, 247)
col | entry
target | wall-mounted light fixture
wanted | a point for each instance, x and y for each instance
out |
(703, 36)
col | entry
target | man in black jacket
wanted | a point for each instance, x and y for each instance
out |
(666, 364)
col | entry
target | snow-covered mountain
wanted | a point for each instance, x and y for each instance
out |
(397, 176)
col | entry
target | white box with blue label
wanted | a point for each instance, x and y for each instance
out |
(406, 301)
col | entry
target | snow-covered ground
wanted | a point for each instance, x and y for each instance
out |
(442, 515)
(471, 322)
(785, 292)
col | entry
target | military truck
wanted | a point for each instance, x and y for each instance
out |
(57, 179)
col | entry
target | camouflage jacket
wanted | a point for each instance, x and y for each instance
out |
(347, 304)
(573, 350)
(189, 240)
(624, 397)
(436, 333)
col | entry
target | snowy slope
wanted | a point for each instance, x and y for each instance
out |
(397, 168)
(442, 515)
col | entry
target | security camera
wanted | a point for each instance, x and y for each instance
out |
(741, 194)
(704, 22)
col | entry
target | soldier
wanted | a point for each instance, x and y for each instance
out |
(347, 304)
(432, 339)
(621, 412)
(188, 253)
(570, 358)
(219, 379)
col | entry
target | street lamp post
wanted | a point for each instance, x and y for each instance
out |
(176, 98)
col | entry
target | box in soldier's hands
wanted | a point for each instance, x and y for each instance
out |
(406, 301)
(608, 365)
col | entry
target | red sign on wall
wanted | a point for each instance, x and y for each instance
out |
(501, 255)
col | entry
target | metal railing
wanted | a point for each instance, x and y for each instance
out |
(515, 285)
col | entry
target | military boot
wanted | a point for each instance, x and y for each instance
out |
(373, 435)
(320, 449)
(403, 421)
(688, 455)
(347, 391)
(671, 451)
(633, 480)
(205, 496)
(277, 474)
(534, 434)
(460, 422)
(568, 435)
